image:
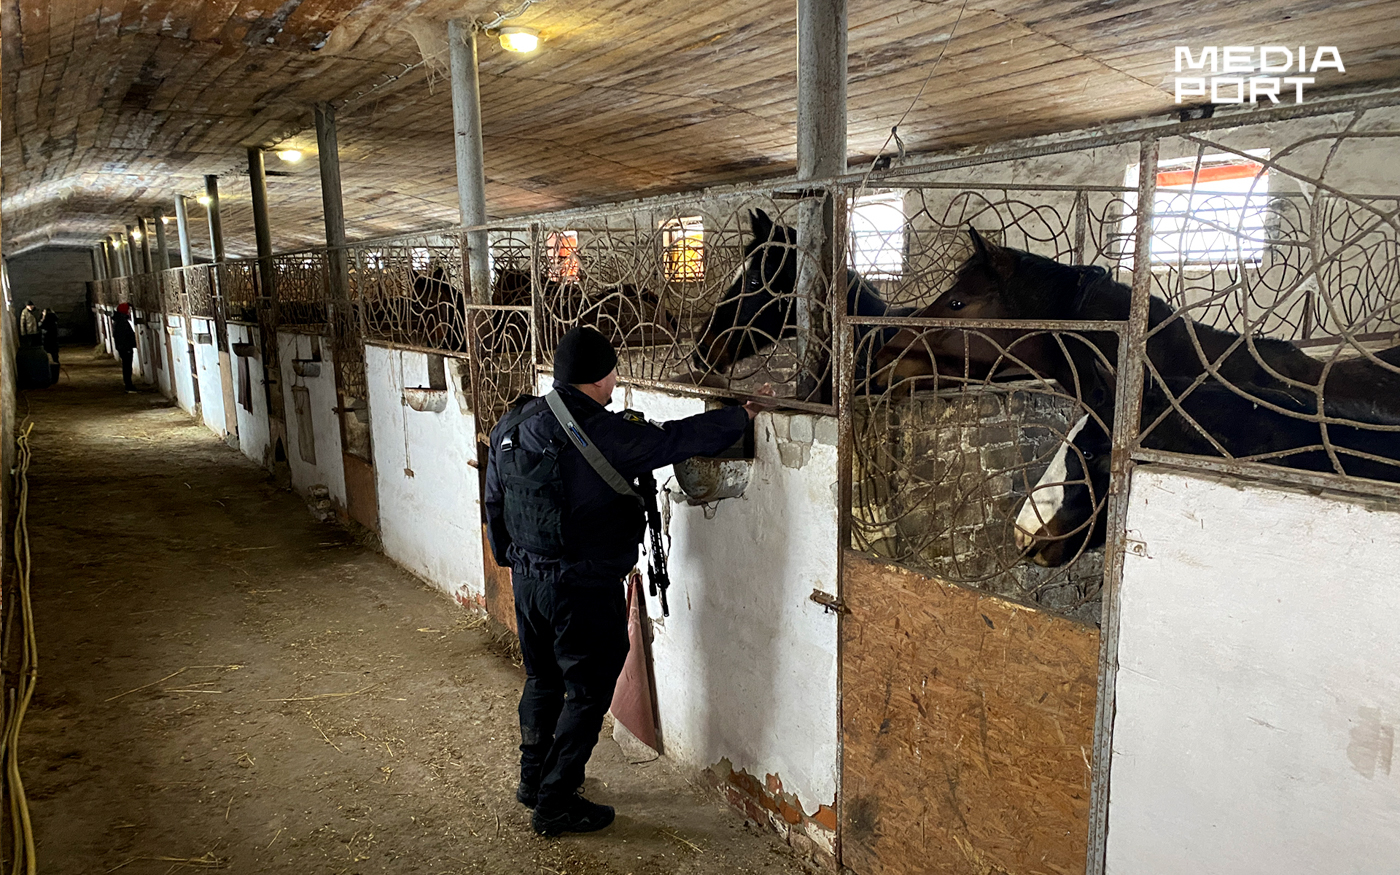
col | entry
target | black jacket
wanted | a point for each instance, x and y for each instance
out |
(123, 335)
(602, 529)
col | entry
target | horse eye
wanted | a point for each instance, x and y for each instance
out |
(1088, 455)
(956, 305)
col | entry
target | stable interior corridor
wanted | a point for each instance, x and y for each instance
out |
(227, 683)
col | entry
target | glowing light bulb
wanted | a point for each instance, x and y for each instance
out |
(291, 156)
(519, 39)
(204, 200)
(135, 235)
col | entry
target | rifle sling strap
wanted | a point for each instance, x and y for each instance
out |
(585, 446)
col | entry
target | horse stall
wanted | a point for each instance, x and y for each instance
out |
(423, 427)
(250, 393)
(986, 726)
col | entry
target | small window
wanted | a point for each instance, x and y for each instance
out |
(564, 265)
(1208, 211)
(877, 235)
(684, 244)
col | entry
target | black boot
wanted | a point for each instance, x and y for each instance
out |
(575, 814)
(527, 794)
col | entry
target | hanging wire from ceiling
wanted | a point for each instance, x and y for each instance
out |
(503, 17)
(894, 131)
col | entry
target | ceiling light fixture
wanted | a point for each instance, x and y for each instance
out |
(519, 39)
(165, 220)
(135, 235)
(291, 156)
(203, 200)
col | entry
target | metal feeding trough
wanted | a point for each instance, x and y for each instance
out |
(706, 480)
(425, 400)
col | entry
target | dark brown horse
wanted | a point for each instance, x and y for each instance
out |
(1002, 283)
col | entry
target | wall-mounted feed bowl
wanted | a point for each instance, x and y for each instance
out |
(705, 480)
(426, 400)
(306, 367)
(244, 350)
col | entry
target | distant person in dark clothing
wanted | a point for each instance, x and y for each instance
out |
(48, 331)
(124, 339)
(28, 326)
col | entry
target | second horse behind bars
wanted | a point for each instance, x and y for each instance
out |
(760, 308)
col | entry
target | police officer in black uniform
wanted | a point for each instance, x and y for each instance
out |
(570, 539)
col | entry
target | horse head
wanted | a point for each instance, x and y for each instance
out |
(754, 311)
(998, 282)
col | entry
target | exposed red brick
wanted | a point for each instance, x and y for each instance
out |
(774, 784)
(790, 814)
(826, 816)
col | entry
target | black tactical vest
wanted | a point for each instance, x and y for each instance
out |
(533, 485)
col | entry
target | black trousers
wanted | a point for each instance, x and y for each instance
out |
(573, 637)
(126, 355)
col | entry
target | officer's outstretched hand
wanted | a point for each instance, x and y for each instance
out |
(756, 406)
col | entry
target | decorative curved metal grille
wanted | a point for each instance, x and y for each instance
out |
(238, 288)
(173, 292)
(942, 465)
(656, 280)
(199, 292)
(500, 361)
(411, 292)
(301, 288)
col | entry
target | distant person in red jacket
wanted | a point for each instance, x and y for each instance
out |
(124, 339)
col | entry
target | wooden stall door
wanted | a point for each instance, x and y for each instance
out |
(500, 598)
(967, 729)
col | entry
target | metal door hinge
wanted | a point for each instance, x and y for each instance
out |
(829, 602)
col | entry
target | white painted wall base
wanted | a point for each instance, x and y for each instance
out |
(180, 363)
(211, 387)
(1259, 687)
(254, 434)
(429, 504)
(328, 469)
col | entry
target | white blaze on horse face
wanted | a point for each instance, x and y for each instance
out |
(1044, 502)
(740, 273)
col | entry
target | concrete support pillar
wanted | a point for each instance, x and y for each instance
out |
(821, 153)
(129, 244)
(216, 228)
(262, 227)
(162, 249)
(182, 227)
(147, 265)
(471, 167)
(109, 253)
(332, 201)
(99, 262)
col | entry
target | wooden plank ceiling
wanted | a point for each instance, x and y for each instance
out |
(110, 109)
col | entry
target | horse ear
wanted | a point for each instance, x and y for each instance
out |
(762, 224)
(980, 244)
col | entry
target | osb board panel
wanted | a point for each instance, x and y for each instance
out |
(500, 598)
(967, 725)
(361, 494)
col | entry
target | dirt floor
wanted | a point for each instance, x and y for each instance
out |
(227, 683)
